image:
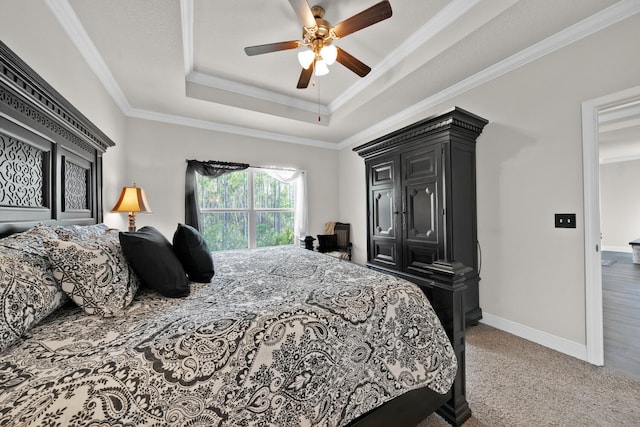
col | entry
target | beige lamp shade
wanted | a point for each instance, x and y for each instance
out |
(132, 200)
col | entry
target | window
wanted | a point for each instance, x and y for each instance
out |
(246, 209)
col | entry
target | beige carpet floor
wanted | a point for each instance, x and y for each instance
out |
(514, 382)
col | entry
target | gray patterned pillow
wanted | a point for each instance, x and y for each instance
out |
(68, 232)
(28, 291)
(30, 242)
(48, 232)
(94, 273)
(85, 232)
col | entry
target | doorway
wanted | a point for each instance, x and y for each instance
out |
(592, 115)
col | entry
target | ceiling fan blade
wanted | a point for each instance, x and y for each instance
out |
(352, 63)
(271, 47)
(302, 9)
(376, 13)
(305, 77)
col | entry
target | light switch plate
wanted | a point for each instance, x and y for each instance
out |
(566, 220)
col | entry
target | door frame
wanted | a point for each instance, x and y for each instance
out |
(592, 237)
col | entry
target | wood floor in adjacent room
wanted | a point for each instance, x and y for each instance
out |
(621, 313)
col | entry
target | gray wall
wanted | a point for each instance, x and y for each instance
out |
(529, 166)
(619, 204)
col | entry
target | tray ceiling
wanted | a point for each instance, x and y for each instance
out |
(183, 61)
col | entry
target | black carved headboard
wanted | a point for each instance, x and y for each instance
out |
(50, 154)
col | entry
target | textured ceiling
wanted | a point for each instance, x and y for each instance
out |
(183, 61)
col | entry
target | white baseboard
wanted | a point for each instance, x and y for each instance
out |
(626, 249)
(573, 349)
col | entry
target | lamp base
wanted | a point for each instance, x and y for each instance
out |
(132, 221)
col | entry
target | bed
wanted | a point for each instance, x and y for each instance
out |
(280, 336)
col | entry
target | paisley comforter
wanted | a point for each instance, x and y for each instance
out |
(280, 337)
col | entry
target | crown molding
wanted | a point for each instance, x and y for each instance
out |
(628, 112)
(618, 159)
(254, 92)
(597, 22)
(246, 90)
(186, 15)
(69, 21)
(67, 18)
(227, 128)
(449, 14)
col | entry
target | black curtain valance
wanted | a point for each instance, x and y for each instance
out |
(210, 168)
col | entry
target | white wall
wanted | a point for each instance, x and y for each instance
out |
(48, 50)
(529, 166)
(156, 161)
(619, 204)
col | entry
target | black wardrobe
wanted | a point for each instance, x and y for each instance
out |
(421, 200)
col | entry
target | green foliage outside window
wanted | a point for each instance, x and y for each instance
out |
(229, 191)
(226, 210)
(225, 230)
(271, 193)
(274, 228)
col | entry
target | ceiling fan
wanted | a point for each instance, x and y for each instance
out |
(318, 36)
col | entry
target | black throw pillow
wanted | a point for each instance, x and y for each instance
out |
(193, 253)
(152, 258)
(328, 242)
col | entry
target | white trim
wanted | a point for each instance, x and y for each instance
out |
(255, 92)
(448, 15)
(200, 78)
(623, 249)
(592, 240)
(67, 18)
(627, 111)
(620, 159)
(445, 17)
(227, 128)
(592, 256)
(571, 348)
(186, 15)
(609, 16)
(71, 24)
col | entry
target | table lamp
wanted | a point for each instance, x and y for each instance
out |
(132, 200)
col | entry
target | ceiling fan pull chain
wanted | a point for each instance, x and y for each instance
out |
(318, 86)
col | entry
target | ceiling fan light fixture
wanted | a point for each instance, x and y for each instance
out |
(321, 68)
(306, 57)
(329, 54)
(317, 36)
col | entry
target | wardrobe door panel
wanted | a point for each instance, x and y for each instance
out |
(422, 210)
(422, 163)
(422, 223)
(383, 173)
(384, 213)
(418, 257)
(384, 206)
(384, 253)
(384, 234)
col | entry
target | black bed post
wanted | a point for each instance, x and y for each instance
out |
(449, 282)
